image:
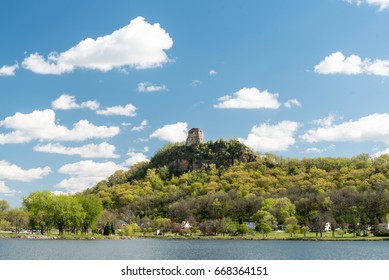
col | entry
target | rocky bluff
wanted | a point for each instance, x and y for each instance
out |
(195, 153)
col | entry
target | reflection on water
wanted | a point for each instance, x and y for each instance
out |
(163, 249)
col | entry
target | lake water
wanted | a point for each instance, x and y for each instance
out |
(164, 249)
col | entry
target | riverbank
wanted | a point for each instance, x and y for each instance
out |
(276, 236)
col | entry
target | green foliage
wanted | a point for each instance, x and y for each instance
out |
(18, 218)
(130, 229)
(219, 186)
(5, 225)
(163, 225)
(242, 229)
(264, 228)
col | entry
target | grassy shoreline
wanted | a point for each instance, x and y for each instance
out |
(274, 236)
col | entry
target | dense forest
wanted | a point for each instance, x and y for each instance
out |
(217, 187)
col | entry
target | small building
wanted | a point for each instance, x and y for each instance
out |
(327, 226)
(383, 226)
(185, 225)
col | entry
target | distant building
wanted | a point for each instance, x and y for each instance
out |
(383, 226)
(251, 225)
(185, 225)
(195, 137)
(327, 226)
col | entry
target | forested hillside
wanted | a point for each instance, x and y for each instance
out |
(218, 186)
(350, 193)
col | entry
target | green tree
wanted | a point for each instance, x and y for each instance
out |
(163, 224)
(304, 230)
(292, 229)
(4, 206)
(130, 229)
(68, 213)
(282, 208)
(225, 226)
(40, 205)
(18, 218)
(93, 209)
(263, 228)
(263, 216)
(5, 225)
(242, 229)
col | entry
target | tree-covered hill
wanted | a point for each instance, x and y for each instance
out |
(205, 184)
(217, 187)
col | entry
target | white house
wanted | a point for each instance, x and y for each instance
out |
(185, 225)
(327, 226)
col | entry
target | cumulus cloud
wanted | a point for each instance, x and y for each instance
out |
(13, 172)
(290, 102)
(172, 132)
(212, 72)
(102, 150)
(141, 127)
(134, 157)
(326, 121)
(8, 70)
(139, 45)
(41, 125)
(85, 174)
(129, 111)
(338, 63)
(249, 98)
(5, 190)
(149, 87)
(68, 102)
(314, 150)
(374, 127)
(269, 138)
(382, 4)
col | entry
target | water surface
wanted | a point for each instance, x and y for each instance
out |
(167, 249)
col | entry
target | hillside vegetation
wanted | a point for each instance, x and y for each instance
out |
(218, 186)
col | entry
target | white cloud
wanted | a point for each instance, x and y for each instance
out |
(67, 102)
(85, 174)
(8, 70)
(41, 125)
(135, 158)
(268, 138)
(172, 132)
(212, 72)
(249, 98)
(5, 190)
(129, 111)
(102, 150)
(290, 102)
(195, 83)
(141, 127)
(382, 4)
(148, 87)
(90, 104)
(374, 127)
(13, 172)
(327, 121)
(314, 150)
(380, 153)
(337, 63)
(139, 45)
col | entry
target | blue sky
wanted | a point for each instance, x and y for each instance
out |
(89, 87)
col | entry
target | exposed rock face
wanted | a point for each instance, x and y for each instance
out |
(195, 137)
